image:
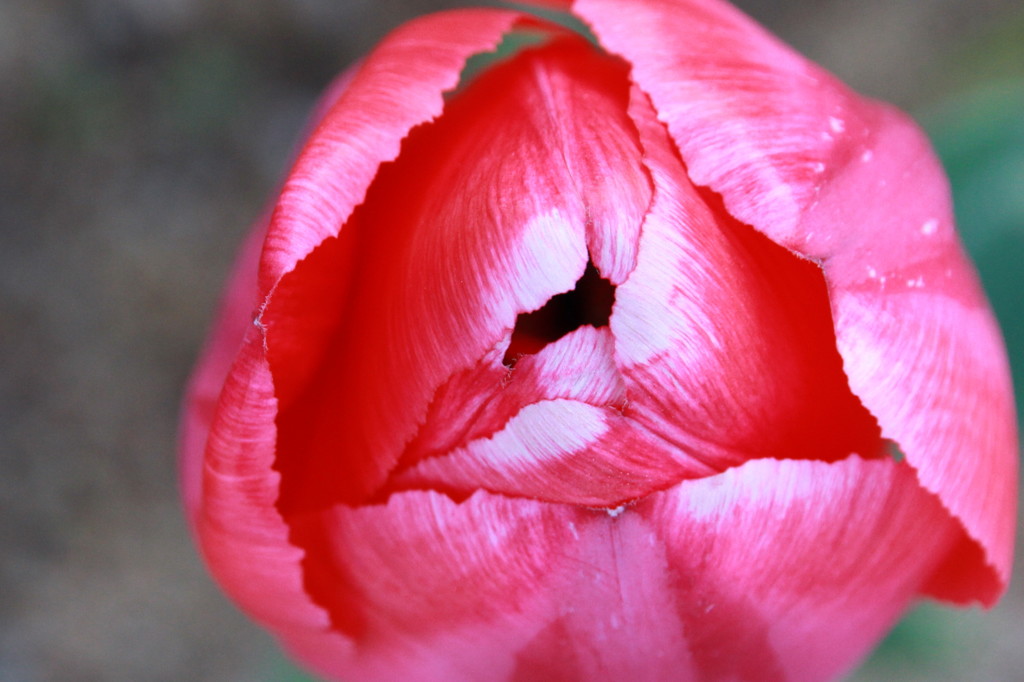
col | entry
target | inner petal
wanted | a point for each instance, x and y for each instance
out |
(589, 303)
(725, 339)
(488, 213)
(560, 451)
(478, 402)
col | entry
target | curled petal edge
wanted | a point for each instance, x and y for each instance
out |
(793, 153)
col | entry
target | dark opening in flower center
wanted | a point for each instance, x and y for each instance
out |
(589, 303)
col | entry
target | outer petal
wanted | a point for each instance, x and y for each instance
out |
(854, 186)
(398, 86)
(793, 570)
(486, 214)
(775, 570)
(244, 539)
(498, 589)
(228, 487)
(724, 338)
(228, 441)
(434, 590)
(234, 317)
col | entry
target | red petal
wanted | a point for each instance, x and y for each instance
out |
(854, 186)
(398, 86)
(753, 120)
(228, 431)
(775, 570)
(232, 322)
(918, 340)
(793, 570)
(234, 318)
(431, 589)
(479, 402)
(244, 539)
(486, 214)
(560, 451)
(725, 339)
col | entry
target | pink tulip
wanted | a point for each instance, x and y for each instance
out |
(689, 468)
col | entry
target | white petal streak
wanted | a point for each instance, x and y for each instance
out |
(541, 432)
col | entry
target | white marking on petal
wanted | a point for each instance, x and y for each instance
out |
(540, 432)
(553, 258)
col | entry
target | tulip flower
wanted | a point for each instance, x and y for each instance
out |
(654, 357)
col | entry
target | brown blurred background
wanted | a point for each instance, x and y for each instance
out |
(138, 140)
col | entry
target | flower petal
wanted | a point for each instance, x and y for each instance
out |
(479, 402)
(243, 537)
(433, 590)
(233, 319)
(793, 570)
(751, 118)
(398, 86)
(854, 186)
(918, 340)
(725, 339)
(560, 451)
(554, 432)
(774, 570)
(493, 221)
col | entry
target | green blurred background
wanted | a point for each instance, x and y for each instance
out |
(138, 140)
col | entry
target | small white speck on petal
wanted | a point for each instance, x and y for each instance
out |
(930, 226)
(836, 124)
(818, 167)
(867, 156)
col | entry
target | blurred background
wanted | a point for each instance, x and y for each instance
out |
(138, 141)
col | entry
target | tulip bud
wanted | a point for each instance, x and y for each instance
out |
(592, 365)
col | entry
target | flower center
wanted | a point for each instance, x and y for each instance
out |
(588, 303)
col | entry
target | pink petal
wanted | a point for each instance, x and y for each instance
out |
(775, 570)
(555, 432)
(725, 339)
(243, 537)
(560, 451)
(398, 86)
(228, 431)
(479, 402)
(492, 221)
(919, 341)
(235, 315)
(792, 570)
(751, 117)
(854, 186)
(434, 590)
